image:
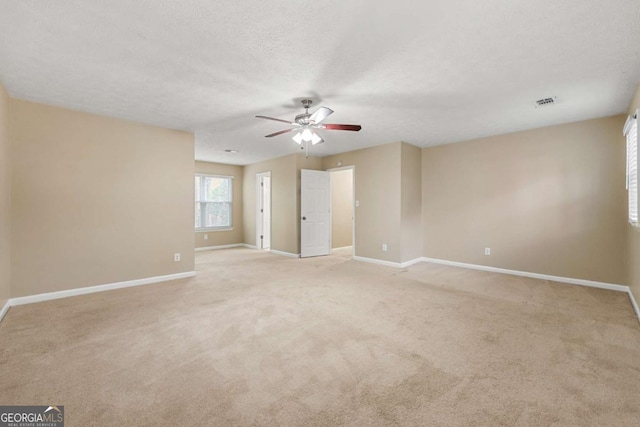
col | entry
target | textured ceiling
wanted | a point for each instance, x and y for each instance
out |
(426, 73)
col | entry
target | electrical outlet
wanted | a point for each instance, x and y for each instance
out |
(176, 257)
(357, 203)
(487, 251)
(384, 247)
(206, 237)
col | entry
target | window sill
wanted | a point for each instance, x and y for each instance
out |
(208, 230)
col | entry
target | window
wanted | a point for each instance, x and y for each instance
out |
(214, 196)
(631, 132)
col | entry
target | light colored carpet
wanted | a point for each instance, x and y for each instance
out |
(258, 339)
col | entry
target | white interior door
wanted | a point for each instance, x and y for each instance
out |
(266, 212)
(263, 210)
(315, 232)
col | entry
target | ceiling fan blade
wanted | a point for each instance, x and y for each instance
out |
(320, 114)
(341, 127)
(273, 118)
(278, 133)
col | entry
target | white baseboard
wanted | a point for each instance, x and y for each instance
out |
(4, 309)
(378, 261)
(99, 288)
(246, 245)
(211, 248)
(634, 304)
(410, 262)
(281, 253)
(570, 280)
(388, 263)
(341, 247)
(582, 282)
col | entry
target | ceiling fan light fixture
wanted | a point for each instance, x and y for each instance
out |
(315, 139)
(297, 138)
(307, 135)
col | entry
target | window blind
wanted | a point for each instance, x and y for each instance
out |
(631, 132)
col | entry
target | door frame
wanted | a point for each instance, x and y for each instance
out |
(259, 214)
(353, 207)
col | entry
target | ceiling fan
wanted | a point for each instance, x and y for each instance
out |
(306, 125)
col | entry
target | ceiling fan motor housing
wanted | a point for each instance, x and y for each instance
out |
(302, 119)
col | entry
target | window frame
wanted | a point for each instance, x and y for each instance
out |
(632, 181)
(203, 203)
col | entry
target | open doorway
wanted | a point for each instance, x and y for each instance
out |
(263, 210)
(342, 210)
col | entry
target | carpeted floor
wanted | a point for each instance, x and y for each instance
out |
(259, 339)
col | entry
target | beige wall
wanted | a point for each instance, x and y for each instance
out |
(548, 201)
(341, 208)
(96, 200)
(223, 237)
(411, 202)
(92, 197)
(5, 200)
(633, 233)
(377, 189)
(283, 202)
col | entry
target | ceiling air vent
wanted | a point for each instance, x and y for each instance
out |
(545, 102)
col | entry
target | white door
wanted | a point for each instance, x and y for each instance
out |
(266, 212)
(263, 210)
(315, 232)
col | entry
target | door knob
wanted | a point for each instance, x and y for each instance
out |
(304, 218)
